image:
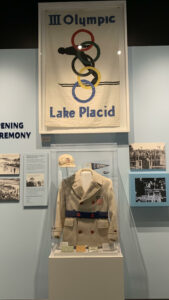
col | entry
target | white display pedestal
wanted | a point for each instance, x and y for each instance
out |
(86, 276)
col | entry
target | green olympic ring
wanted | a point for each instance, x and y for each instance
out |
(86, 44)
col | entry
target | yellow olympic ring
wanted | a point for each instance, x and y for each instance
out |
(91, 68)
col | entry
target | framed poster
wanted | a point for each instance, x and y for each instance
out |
(149, 189)
(83, 72)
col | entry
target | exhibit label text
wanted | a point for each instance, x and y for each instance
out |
(77, 20)
(83, 112)
(15, 131)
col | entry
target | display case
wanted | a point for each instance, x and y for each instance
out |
(85, 198)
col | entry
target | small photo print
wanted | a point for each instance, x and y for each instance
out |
(9, 189)
(35, 180)
(9, 164)
(147, 156)
(150, 190)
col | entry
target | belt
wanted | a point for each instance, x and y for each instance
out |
(86, 215)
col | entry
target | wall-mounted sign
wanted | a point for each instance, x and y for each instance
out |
(35, 179)
(83, 83)
(149, 189)
(13, 130)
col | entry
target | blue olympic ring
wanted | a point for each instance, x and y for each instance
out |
(77, 84)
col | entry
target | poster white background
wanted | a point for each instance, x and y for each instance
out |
(107, 111)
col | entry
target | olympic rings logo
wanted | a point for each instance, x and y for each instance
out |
(89, 64)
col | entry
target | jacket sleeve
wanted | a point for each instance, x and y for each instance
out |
(60, 212)
(112, 211)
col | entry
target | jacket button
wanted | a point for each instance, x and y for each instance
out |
(92, 231)
(80, 231)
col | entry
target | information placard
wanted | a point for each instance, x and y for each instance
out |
(36, 179)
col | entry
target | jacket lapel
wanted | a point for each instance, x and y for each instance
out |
(92, 190)
(77, 188)
(94, 187)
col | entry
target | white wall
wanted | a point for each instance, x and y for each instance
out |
(147, 246)
(25, 233)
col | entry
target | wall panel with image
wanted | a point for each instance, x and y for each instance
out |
(149, 189)
(35, 179)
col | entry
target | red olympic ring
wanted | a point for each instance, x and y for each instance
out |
(73, 38)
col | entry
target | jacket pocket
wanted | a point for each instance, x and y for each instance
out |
(102, 224)
(102, 231)
(69, 231)
(69, 222)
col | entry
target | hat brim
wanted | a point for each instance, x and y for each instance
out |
(67, 165)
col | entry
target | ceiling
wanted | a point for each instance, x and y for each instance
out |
(147, 23)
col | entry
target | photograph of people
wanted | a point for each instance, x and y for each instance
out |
(150, 189)
(9, 164)
(9, 189)
(147, 156)
(35, 180)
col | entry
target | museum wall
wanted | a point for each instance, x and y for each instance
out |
(25, 232)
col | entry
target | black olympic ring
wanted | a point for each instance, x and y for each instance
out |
(90, 72)
(92, 64)
(85, 59)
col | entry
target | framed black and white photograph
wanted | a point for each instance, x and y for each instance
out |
(35, 180)
(9, 189)
(149, 189)
(9, 164)
(147, 156)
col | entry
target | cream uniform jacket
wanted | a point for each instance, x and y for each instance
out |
(86, 218)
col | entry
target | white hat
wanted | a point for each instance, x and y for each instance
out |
(66, 160)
